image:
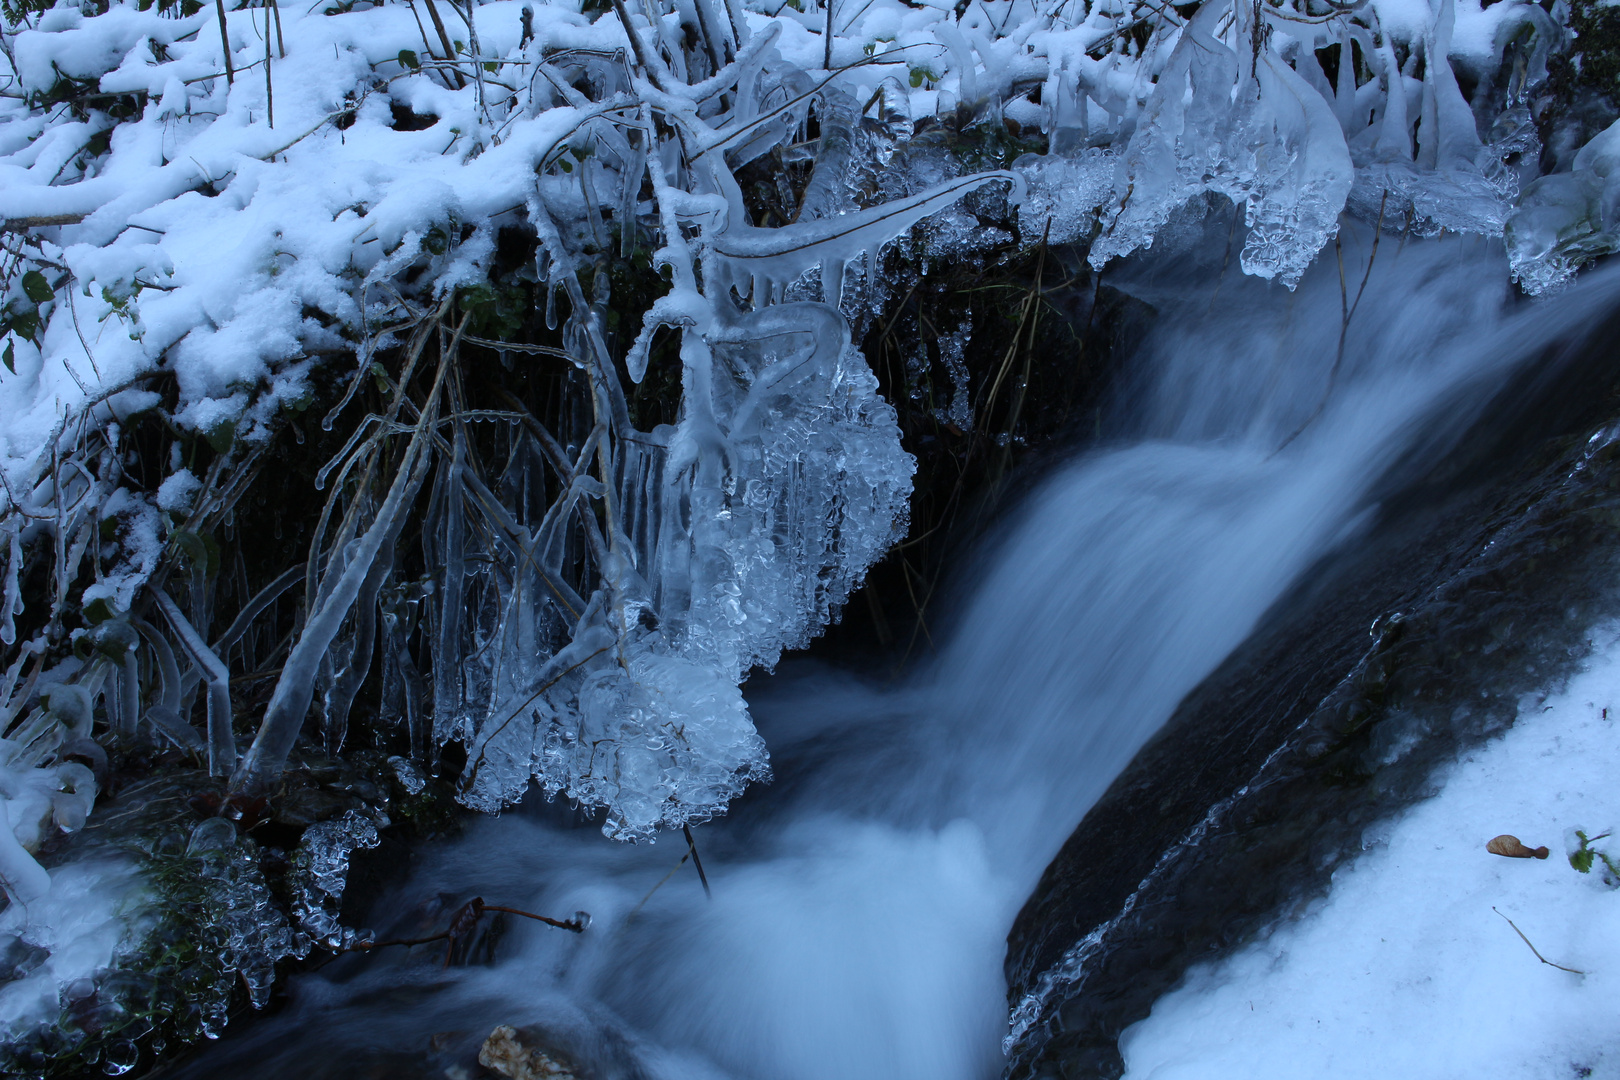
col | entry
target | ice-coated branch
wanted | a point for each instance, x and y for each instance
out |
(221, 743)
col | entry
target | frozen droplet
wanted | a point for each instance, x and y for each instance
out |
(212, 835)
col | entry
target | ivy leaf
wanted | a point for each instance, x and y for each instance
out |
(9, 357)
(36, 287)
(409, 59)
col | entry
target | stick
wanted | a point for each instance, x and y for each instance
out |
(1344, 325)
(827, 38)
(225, 41)
(660, 885)
(1533, 949)
(691, 846)
(269, 92)
(444, 39)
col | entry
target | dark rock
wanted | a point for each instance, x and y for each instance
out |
(302, 807)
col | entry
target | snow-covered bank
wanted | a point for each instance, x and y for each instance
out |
(1404, 968)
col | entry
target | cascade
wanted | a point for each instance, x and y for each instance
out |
(860, 906)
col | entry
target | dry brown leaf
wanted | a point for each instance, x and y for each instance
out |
(512, 1053)
(1511, 847)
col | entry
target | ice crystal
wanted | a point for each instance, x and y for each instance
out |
(320, 873)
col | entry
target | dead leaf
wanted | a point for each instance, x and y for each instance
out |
(1511, 847)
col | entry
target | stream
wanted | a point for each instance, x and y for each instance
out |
(860, 904)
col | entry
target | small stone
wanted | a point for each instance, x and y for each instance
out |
(514, 1054)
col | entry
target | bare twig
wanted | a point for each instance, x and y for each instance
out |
(691, 845)
(225, 42)
(1543, 959)
(465, 921)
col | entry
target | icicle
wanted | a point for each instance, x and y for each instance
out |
(11, 606)
(1448, 135)
(452, 572)
(1395, 134)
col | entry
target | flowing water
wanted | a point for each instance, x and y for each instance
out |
(860, 905)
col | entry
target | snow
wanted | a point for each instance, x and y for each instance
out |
(82, 923)
(1408, 966)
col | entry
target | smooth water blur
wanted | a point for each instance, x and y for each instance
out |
(859, 911)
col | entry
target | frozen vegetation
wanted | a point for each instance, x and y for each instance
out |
(213, 214)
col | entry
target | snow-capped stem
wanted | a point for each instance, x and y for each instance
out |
(269, 88)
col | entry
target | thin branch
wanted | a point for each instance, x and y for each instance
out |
(691, 845)
(1533, 949)
(225, 42)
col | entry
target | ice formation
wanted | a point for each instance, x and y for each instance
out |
(321, 871)
(203, 205)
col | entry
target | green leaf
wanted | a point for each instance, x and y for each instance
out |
(1582, 860)
(409, 59)
(916, 78)
(567, 166)
(193, 546)
(221, 436)
(9, 357)
(26, 323)
(37, 288)
(491, 66)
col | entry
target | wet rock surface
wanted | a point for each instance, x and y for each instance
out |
(1473, 590)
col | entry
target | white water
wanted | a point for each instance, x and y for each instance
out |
(859, 911)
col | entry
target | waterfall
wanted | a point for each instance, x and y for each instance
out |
(860, 906)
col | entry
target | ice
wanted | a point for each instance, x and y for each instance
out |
(1065, 193)
(320, 872)
(1567, 219)
(641, 714)
(1263, 137)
